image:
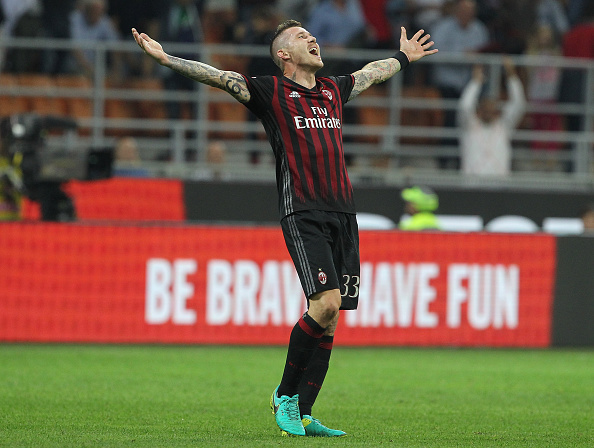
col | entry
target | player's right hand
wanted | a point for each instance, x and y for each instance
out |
(150, 46)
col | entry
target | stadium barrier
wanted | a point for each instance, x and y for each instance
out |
(128, 199)
(391, 126)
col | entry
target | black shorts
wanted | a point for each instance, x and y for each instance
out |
(324, 247)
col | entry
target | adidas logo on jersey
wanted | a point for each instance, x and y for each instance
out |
(294, 94)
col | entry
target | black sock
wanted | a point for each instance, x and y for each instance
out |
(312, 381)
(304, 339)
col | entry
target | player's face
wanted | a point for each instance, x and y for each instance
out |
(303, 48)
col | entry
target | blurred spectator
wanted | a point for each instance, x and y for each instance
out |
(216, 158)
(222, 25)
(264, 20)
(426, 13)
(22, 18)
(399, 14)
(13, 10)
(127, 161)
(578, 42)
(182, 23)
(486, 131)
(10, 194)
(91, 23)
(262, 26)
(414, 14)
(136, 13)
(299, 10)
(378, 26)
(142, 15)
(420, 203)
(55, 27)
(508, 22)
(245, 8)
(552, 14)
(587, 217)
(543, 90)
(338, 24)
(460, 32)
(11, 184)
(574, 10)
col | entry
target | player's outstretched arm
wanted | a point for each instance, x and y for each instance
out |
(228, 81)
(380, 71)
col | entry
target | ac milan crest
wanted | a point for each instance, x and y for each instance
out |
(328, 94)
(322, 277)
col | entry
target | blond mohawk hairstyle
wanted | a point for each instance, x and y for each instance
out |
(279, 30)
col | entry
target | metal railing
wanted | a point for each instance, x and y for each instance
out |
(381, 151)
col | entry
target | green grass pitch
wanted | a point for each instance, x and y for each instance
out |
(194, 396)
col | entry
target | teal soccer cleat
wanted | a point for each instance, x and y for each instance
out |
(286, 413)
(314, 428)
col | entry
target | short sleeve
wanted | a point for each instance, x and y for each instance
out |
(261, 90)
(345, 85)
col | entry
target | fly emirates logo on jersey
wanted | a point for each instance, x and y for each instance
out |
(321, 120)
(406, 295)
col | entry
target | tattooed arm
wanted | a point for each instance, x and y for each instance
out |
(374, 73)
(228, 81)
(380, 71)
(231, 82)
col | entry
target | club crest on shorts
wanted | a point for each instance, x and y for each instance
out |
(322, 277)
(328, 94)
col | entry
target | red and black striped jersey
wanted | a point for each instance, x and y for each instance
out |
(304, 128)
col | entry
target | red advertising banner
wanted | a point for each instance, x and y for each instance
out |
(236, 285)
(121, 199)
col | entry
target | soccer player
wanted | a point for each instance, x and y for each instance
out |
(302, 116)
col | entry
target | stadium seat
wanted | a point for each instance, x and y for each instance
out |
(46, 103)
(118, 108)
(213, 21)
(10, 104)
(231, 112)
(149, 108)
(372, 115)
(428, 117)
(76, 106)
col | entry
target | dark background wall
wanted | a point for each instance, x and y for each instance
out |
(573, 311)
(227, 201)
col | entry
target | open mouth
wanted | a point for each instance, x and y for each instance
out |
(314, 51)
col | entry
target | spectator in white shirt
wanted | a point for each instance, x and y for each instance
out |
(486, 130)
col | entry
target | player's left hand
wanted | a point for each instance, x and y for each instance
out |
(417, 47)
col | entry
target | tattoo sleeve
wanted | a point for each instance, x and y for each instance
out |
(374, 73)
(231, 82)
